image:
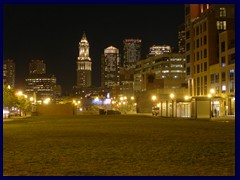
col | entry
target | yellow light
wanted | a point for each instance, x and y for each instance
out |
(19, 93)
(212, 91)
(9, 87)
(171, 95)
(74, 101)
(186, 97)
(25, 96)
(154, 97)
(79, 102)
(132, 98)
(121, 98)
(125, 97)
(209, 95)
(31, 98)
(124, 102)
(46, 101)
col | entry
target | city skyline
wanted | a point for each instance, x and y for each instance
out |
(52, 33)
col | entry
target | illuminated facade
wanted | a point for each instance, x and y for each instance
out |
(84, 64)
(131, 51)
(181, 39)
(110, 64)
(158, 50)
(162, 71)
(9, 72)
(40, 85)
(204, 25)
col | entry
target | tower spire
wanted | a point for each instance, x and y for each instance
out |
(84, 37)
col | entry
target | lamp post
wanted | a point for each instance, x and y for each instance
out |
(172, 96)
(212, 92)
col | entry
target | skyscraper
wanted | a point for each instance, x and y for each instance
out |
(110, 67)
(84, 64)
(9, 72)
(132, 51)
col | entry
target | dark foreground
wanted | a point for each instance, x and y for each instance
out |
(116, 145)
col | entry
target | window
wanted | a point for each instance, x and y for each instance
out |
(212, 79)
(231, 74)
(197, 43)
(222, 12)
(188, 70)
(205, 53)
(223, 76)
(204, 26)
(205, 66)
(223, 63)
(205, 40)
(223, 88)
(188, 47)
(216, 78)
(221, 25)
(205, 80)
(222, 46)
(197, 30)
(197, 56)
(231, 59)
(188, 58)
(187, 34)
(198, 68)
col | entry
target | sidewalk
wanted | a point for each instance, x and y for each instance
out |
(224, 118)
(15, 118)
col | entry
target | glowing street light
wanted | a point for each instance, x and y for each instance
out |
(154, 98)
(46, 101)
(19, 93)
(186, 97)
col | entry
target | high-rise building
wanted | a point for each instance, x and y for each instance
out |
(84, 64)
(158, 50)
(110, 64)
(37, 67)
(208, 30)
(181, 38)
(40, 85)
(9, 72)
(131, 51)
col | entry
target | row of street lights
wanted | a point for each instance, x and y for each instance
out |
(172, 96)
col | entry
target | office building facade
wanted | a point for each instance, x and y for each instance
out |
(110, 64)
(131, 52)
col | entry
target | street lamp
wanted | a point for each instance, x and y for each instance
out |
(154, 98)
(172, 96)
(212, 92)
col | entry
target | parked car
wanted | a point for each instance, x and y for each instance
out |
(155, 110)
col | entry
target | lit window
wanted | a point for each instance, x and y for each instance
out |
(221, 25)
(222, 12)
(223, 88)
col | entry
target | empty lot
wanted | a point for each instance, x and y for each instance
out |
(118, 145)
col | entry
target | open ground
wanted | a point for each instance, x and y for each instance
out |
(118, 145)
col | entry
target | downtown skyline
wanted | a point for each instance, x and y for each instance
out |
(52, 33)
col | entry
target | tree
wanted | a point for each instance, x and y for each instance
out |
(9, 99)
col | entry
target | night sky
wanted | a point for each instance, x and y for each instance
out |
(52, 33)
